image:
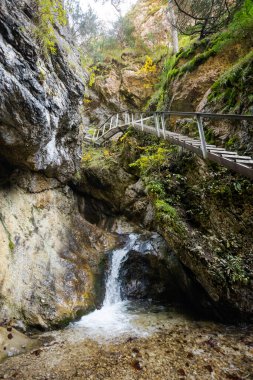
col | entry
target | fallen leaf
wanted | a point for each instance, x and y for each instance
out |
(137, 365)
(181, 372)
(209, 368)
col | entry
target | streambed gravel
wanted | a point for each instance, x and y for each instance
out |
(178, 349)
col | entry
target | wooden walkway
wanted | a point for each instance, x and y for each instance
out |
(156, 124)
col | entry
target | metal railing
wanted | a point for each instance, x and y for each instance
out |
(142, 120)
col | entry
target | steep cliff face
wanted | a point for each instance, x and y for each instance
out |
(214, 75)
(202, 211)
(50, 255)
(151, 22)
(39, 96)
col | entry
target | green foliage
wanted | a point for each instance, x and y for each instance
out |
(224, 186)
(233, 269)
(49, 13)
(111, 45)
(148, 67)
(204, 17)
(240, 30)
(232, 89)
(155, 188)
(158, 97)
(84, 26)
(164, 209)
(98, 157)
(232, 142)
(153, 158)
(151, 165)
(168, 216)
(92, 70)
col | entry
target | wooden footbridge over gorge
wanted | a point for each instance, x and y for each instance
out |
(157, 123)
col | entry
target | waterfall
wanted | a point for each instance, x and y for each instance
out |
(112, 292)
(112, 319)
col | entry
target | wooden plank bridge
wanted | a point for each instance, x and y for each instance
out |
(157, 123)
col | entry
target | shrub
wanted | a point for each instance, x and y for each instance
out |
(49, 13)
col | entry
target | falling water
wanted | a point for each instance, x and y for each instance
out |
(112, 293)
(112, 319)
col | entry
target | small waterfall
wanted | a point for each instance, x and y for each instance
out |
(112, 319)
(112, 292)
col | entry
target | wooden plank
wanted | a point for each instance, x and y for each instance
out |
(236, 157)
(232, 165)
(244, 162)
(218, 149)
(228, 154)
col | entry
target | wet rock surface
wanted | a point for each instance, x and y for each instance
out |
(152, 271)
(13, 342)
(179, 349)
(39, 97)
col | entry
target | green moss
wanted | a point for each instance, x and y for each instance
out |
(168, 217)
(232, 142)
(11, 245)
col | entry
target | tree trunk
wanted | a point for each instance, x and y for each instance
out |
(174, 32)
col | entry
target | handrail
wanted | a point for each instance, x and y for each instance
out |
(205, 115)
(155, 123)
(208, 115)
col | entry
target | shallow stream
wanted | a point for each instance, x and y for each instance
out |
(137, 340)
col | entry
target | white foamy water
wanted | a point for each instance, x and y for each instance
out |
(113, 319)
(112, 291)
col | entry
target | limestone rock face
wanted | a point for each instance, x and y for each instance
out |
(146, 16)
(39, 97)
(50, 254)
(124, 86)
(152, 271)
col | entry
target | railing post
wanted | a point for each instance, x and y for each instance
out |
(111, 122)
(132, 120)
(142, 126)
(94, 134)
(163, 125)
(117, 120)
(202, 136)
(157, 124)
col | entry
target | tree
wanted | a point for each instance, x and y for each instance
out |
(83, 25)
(204, 17)
(173, 22)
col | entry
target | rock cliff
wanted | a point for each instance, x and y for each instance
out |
(39, 96)
(55, 213)
(50, 255)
